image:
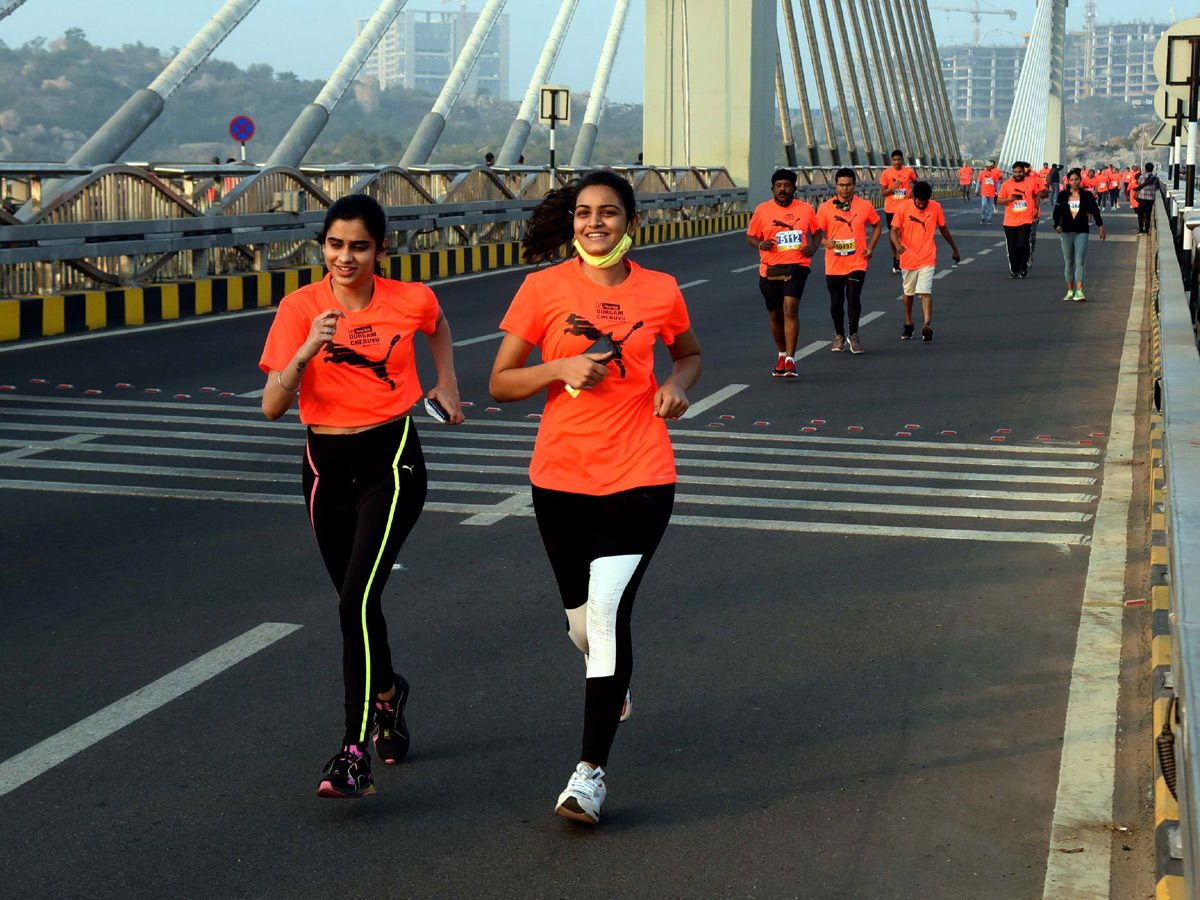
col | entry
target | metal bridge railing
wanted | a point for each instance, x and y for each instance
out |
(1177, 398)
(129, 224)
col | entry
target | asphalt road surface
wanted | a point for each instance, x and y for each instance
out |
(852, 653)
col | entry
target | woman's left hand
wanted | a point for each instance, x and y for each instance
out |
(447, 396)
(1101, 232)
(670, 402)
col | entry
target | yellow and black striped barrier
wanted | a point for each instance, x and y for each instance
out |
(55, 314)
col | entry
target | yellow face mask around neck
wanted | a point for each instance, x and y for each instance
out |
(609, 259)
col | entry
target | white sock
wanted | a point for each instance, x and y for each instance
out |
(789, 359)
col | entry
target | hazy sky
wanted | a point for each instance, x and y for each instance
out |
(308, 38)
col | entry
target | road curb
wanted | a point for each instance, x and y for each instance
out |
(1168, 848)
(29, 318)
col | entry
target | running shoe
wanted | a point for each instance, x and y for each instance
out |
(839, 344)
(627, 709)
(1024, 273)
(855, 344)
(584, 794)
(1070, 296)
(926, 333)
(895, 266)
(347, 775)
(778, 370)
(1079, 295)
(391, 735)
(789, 368)
(1012, 274)
(907, 333)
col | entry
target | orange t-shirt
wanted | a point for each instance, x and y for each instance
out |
(988, 180)
(1043, 172)
(964, 175)
(607, 439)
(1039, 184)
(1020, 211)
(846, 235)
(789, 226)
(369, 375)
(918, 227)
(897, 186)
(1085, 180)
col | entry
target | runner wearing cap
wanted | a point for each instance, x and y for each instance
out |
(913, 234)
(843, 220)
(989, 179)
(784, 232)
(896, 183)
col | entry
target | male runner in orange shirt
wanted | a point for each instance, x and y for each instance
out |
(965, 175)
(1018, 196)
(912, 236)
(989, 178)
(785, 233)
(896, 183)
(844, 220)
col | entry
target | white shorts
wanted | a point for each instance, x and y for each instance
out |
(918, 281)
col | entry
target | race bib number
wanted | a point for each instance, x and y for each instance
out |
(899, 193)
(1074, 206)
(988, 181)
(1019, 206)
(790, 240)
(844, 247)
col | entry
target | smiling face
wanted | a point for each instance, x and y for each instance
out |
(845, 189)
(600, 219)
(351, 252)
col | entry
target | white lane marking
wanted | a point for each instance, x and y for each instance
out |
(253, 395)
(967, 261)
(999, 243)
(42, 757)
(986, 250)
(870, 317)
(517, 504)
(713, 399)
(889, 509)
(9, 461)
(495, 335)
(942, 274)
(1083, 806)
(472, 509)
(684, 287)
(811, 349)
(465, 431)
(744, 269)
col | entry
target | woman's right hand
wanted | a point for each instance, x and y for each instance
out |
(583, 372)
(324, 327)
(1058, 229)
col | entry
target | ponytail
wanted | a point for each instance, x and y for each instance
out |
(552, 225)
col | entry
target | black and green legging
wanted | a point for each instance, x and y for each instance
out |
(364, 493)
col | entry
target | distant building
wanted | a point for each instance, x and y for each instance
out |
(1116, 60)
(981, 81)
(1120, 65)
(420, 48)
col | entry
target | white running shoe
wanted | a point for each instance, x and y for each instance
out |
(584, 794)
(627, 709)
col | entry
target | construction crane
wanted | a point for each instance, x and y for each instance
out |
(976, 13)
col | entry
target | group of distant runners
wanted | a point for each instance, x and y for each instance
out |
(788, 233)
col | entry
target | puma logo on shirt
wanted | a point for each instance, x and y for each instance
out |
(337, 353)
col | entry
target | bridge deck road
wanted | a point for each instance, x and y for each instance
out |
(852, 656)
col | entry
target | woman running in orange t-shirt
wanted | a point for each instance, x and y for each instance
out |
(344, 346)
(603, 470)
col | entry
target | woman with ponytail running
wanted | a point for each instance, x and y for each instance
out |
(344, 346)
(603, 470)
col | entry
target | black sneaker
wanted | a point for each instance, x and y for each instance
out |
(347, 775)
(391, 736)
(895, 266)
(926, 333)
(1024, 273)
(907, 333)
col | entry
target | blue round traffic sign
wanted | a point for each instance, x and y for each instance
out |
(241, 128)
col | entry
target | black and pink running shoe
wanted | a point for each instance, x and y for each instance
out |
(347, 775)
(391, 736)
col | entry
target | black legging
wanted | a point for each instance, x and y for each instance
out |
(599, 548)
(845, 290)
(1018, 247)
(364, 493)
(1145, 210)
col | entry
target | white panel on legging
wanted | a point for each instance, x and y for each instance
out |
(609, 577)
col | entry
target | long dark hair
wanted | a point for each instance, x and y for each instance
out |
(552, 224)
(362, 208)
